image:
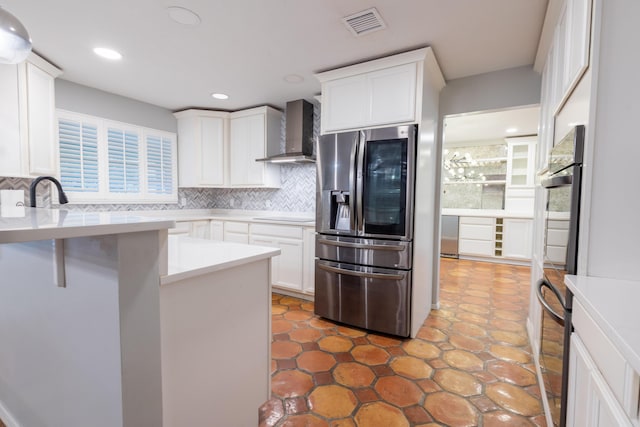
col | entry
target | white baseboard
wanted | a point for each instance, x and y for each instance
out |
(6, 417)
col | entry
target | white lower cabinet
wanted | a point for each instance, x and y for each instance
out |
(216, 230)
(200, 229)
(603, 388)
(496, 238)
(293, 269)
(286, 268)
(236, 232)
(477, 236)
(517, 238)
(591, 401)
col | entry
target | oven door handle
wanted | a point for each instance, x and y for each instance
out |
(397, 248)
(544, 284)
(383, 276)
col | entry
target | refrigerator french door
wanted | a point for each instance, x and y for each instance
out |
(364, 220)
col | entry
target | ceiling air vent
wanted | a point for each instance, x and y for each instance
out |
(364, 22)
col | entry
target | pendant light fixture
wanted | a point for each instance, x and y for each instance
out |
(15, 43)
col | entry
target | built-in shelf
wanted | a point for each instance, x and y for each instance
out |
(476, 182)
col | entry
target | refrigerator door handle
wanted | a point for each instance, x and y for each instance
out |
(361, 246)
(360, 182)
(383, 276)
(353, 173)
(555, 315)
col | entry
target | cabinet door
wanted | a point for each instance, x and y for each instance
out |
(517, 238)
(392, 94)
(577, 41)
(201, 148)
(11, 155)
(41, 122)
(247, 145)
(590, 402)
(344, 103)
(200, 229)
(212, 164)
(289, 270)
(308, 265)
(217, 230)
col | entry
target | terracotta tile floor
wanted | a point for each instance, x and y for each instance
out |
(470, 365)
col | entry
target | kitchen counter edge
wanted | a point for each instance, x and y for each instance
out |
(45, 224)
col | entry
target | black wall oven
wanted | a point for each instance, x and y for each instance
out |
(563, 186)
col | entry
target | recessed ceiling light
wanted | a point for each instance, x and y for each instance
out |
(183, 16)
(293, 78)
(511, 130)
(107, 53)
(220, 96)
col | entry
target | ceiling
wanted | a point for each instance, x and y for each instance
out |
(490, 126)
(245, 48)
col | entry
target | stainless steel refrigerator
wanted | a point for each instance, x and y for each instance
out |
(364, 224)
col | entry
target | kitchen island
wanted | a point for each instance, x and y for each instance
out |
(81, 296)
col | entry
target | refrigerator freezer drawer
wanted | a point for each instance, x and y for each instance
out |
(353, 250)
(371, 298)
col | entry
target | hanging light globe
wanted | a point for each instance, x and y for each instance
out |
(15, 43)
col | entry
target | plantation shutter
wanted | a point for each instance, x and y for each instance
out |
(159, 165)
(78, 155)
(124, 161)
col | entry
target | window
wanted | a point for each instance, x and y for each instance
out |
(102, 161)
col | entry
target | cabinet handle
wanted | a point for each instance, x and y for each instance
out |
(383, 276)
(338, 243)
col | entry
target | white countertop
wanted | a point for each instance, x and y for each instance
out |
(304, 219)
(30, 224)
(190, 257)
(613, 304)
(492, 213)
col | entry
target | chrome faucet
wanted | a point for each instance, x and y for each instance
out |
(62, 198)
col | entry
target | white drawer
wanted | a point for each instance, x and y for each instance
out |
(236, 227)
(292, 232)
(558, 224)
(476, 220)
(477, 232)
(607, 358)
(475, 247)
(557, 237)
(557, 254)
(183, 227)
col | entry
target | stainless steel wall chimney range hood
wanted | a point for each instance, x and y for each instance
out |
(299, 135)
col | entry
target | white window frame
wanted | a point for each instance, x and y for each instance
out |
(103, 195)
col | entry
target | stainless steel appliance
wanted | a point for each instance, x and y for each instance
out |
(364, 224)
(449, 236)
(563, 185)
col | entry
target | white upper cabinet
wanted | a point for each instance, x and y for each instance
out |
(11, 153)
(41, 118)
(521, 154)
(377, 93)
(569, 53)
(202, 148)
(27, 110)
(577, 40)
(254, 134)
(377, 98)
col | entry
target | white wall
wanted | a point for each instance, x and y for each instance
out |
(497, 90)
(83, 99)
(613, 228)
